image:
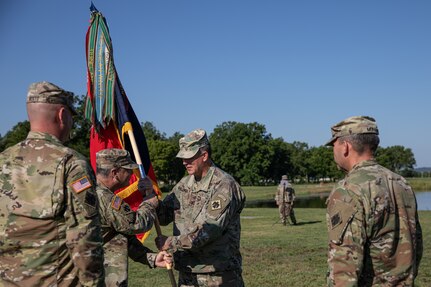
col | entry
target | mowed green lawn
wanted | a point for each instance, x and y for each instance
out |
(277, 255)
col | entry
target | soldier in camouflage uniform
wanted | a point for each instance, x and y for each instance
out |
(284, 198)
(119, 222)
(375, 238)
(205, 207)
(49, 224)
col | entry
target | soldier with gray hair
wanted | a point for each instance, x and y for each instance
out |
(49, 223)
(119, 222)
(375, 238)
(205, 207)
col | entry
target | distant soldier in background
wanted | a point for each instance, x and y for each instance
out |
(119, 222)
(284, 198)
(49, 223)
(375, 238)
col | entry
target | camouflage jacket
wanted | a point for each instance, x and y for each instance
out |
(285, 193)
(118, 221)
(206, 216)
(49, 224)
(375, 238)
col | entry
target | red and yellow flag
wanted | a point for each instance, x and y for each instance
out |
(110, 111)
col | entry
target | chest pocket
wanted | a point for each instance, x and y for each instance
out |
(192, 205)
(341, 211)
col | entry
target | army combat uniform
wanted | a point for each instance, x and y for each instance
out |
(284, 198)
(375, 237)
(118, 222)
(206, 241)
(49, 224)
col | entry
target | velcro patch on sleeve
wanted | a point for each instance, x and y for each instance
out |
(116, 202)
(217, 206)
(341, 214)
(335, 220)
(81, 184)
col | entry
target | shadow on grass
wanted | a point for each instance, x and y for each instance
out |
(308, 222)
(299, 223)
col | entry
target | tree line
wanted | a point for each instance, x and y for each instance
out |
(245, 150)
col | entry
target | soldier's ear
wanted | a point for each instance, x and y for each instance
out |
(205, 156)
(61, 116)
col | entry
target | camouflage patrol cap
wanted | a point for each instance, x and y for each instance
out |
(284, 177)
(191, 143)
(45, 92)
(113, 157)
(353, 125)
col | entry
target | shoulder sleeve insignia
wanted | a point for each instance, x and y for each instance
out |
(81, 184)
(215, 204)
(116, 202)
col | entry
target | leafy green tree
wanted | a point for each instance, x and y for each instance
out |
(167, 167)
(280, 163)
(15, 135)
(242, 150)
(80, 134)
(298, 158)
(396, 158)
(321, 164)
(151, 132)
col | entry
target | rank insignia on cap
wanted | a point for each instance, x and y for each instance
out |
(335, 220)
(81, 184)
(215, 204)
(116, 202)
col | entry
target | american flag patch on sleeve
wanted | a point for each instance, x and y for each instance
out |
(116, 202)
(81, 184)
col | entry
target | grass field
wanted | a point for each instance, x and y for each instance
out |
(303, 190)
(276, 255)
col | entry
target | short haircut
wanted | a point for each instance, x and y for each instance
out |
(362, 142)
(206, 148)
(103, 171)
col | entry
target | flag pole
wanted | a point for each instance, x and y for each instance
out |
(156, 219)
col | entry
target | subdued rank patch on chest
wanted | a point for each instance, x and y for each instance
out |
(116, 202)
(215, 204)
(335, 220)
(81, 184)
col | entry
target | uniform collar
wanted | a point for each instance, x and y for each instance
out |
(364, 163)
(203, 184)
(43, 136)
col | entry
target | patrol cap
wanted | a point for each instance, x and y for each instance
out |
(114, 157)
(48, 93)
(284, 177)
(191, 143)
(353, 125)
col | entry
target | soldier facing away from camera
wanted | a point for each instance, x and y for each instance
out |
(49, 223)
(375, 238)
(205, 208)
(285, 198)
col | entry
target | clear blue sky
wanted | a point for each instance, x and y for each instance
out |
(297, 67)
